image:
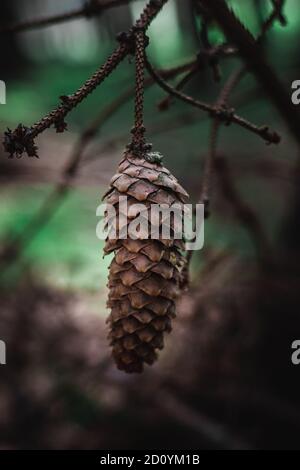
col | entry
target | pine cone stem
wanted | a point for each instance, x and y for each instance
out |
(138, 132)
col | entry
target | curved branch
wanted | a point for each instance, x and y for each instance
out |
(22, 138)
(223, 114)
(253, 55)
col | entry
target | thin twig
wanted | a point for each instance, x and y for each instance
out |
(22, 138)
(213, 61)
(224, 114)
(157, 127)
(222, 101)
(18, 243)
(253, 55)
(276, 14)
(89, 9)
(203, 57)
(209, 165)
(164, 104)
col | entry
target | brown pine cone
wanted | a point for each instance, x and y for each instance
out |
(144, 274)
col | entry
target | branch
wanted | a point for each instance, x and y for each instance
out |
(223, 114)
(256, 61)
(153, 129)
(19, 243)
(210, 54)
(203, 58)
(164, 104)
(222, 100)
(89, 9)
(213, 62)
(22, 138)
(276, 14)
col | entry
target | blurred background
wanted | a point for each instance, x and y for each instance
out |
(225, 377)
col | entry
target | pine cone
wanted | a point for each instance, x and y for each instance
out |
(145, 273)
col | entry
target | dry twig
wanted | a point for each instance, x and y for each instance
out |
(222, 101)
(223, 114)
(253, 55)
(22, 138)
(89, 9)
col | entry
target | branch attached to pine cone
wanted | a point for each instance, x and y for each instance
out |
(15, 140)
(17, 244)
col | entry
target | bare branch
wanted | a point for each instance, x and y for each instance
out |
(255, 59)
(276, 13)
(223, 114)
(22, 139)
(209, 165)
(165, 102)
(222, 100)
(203, 57)
(89, 9)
